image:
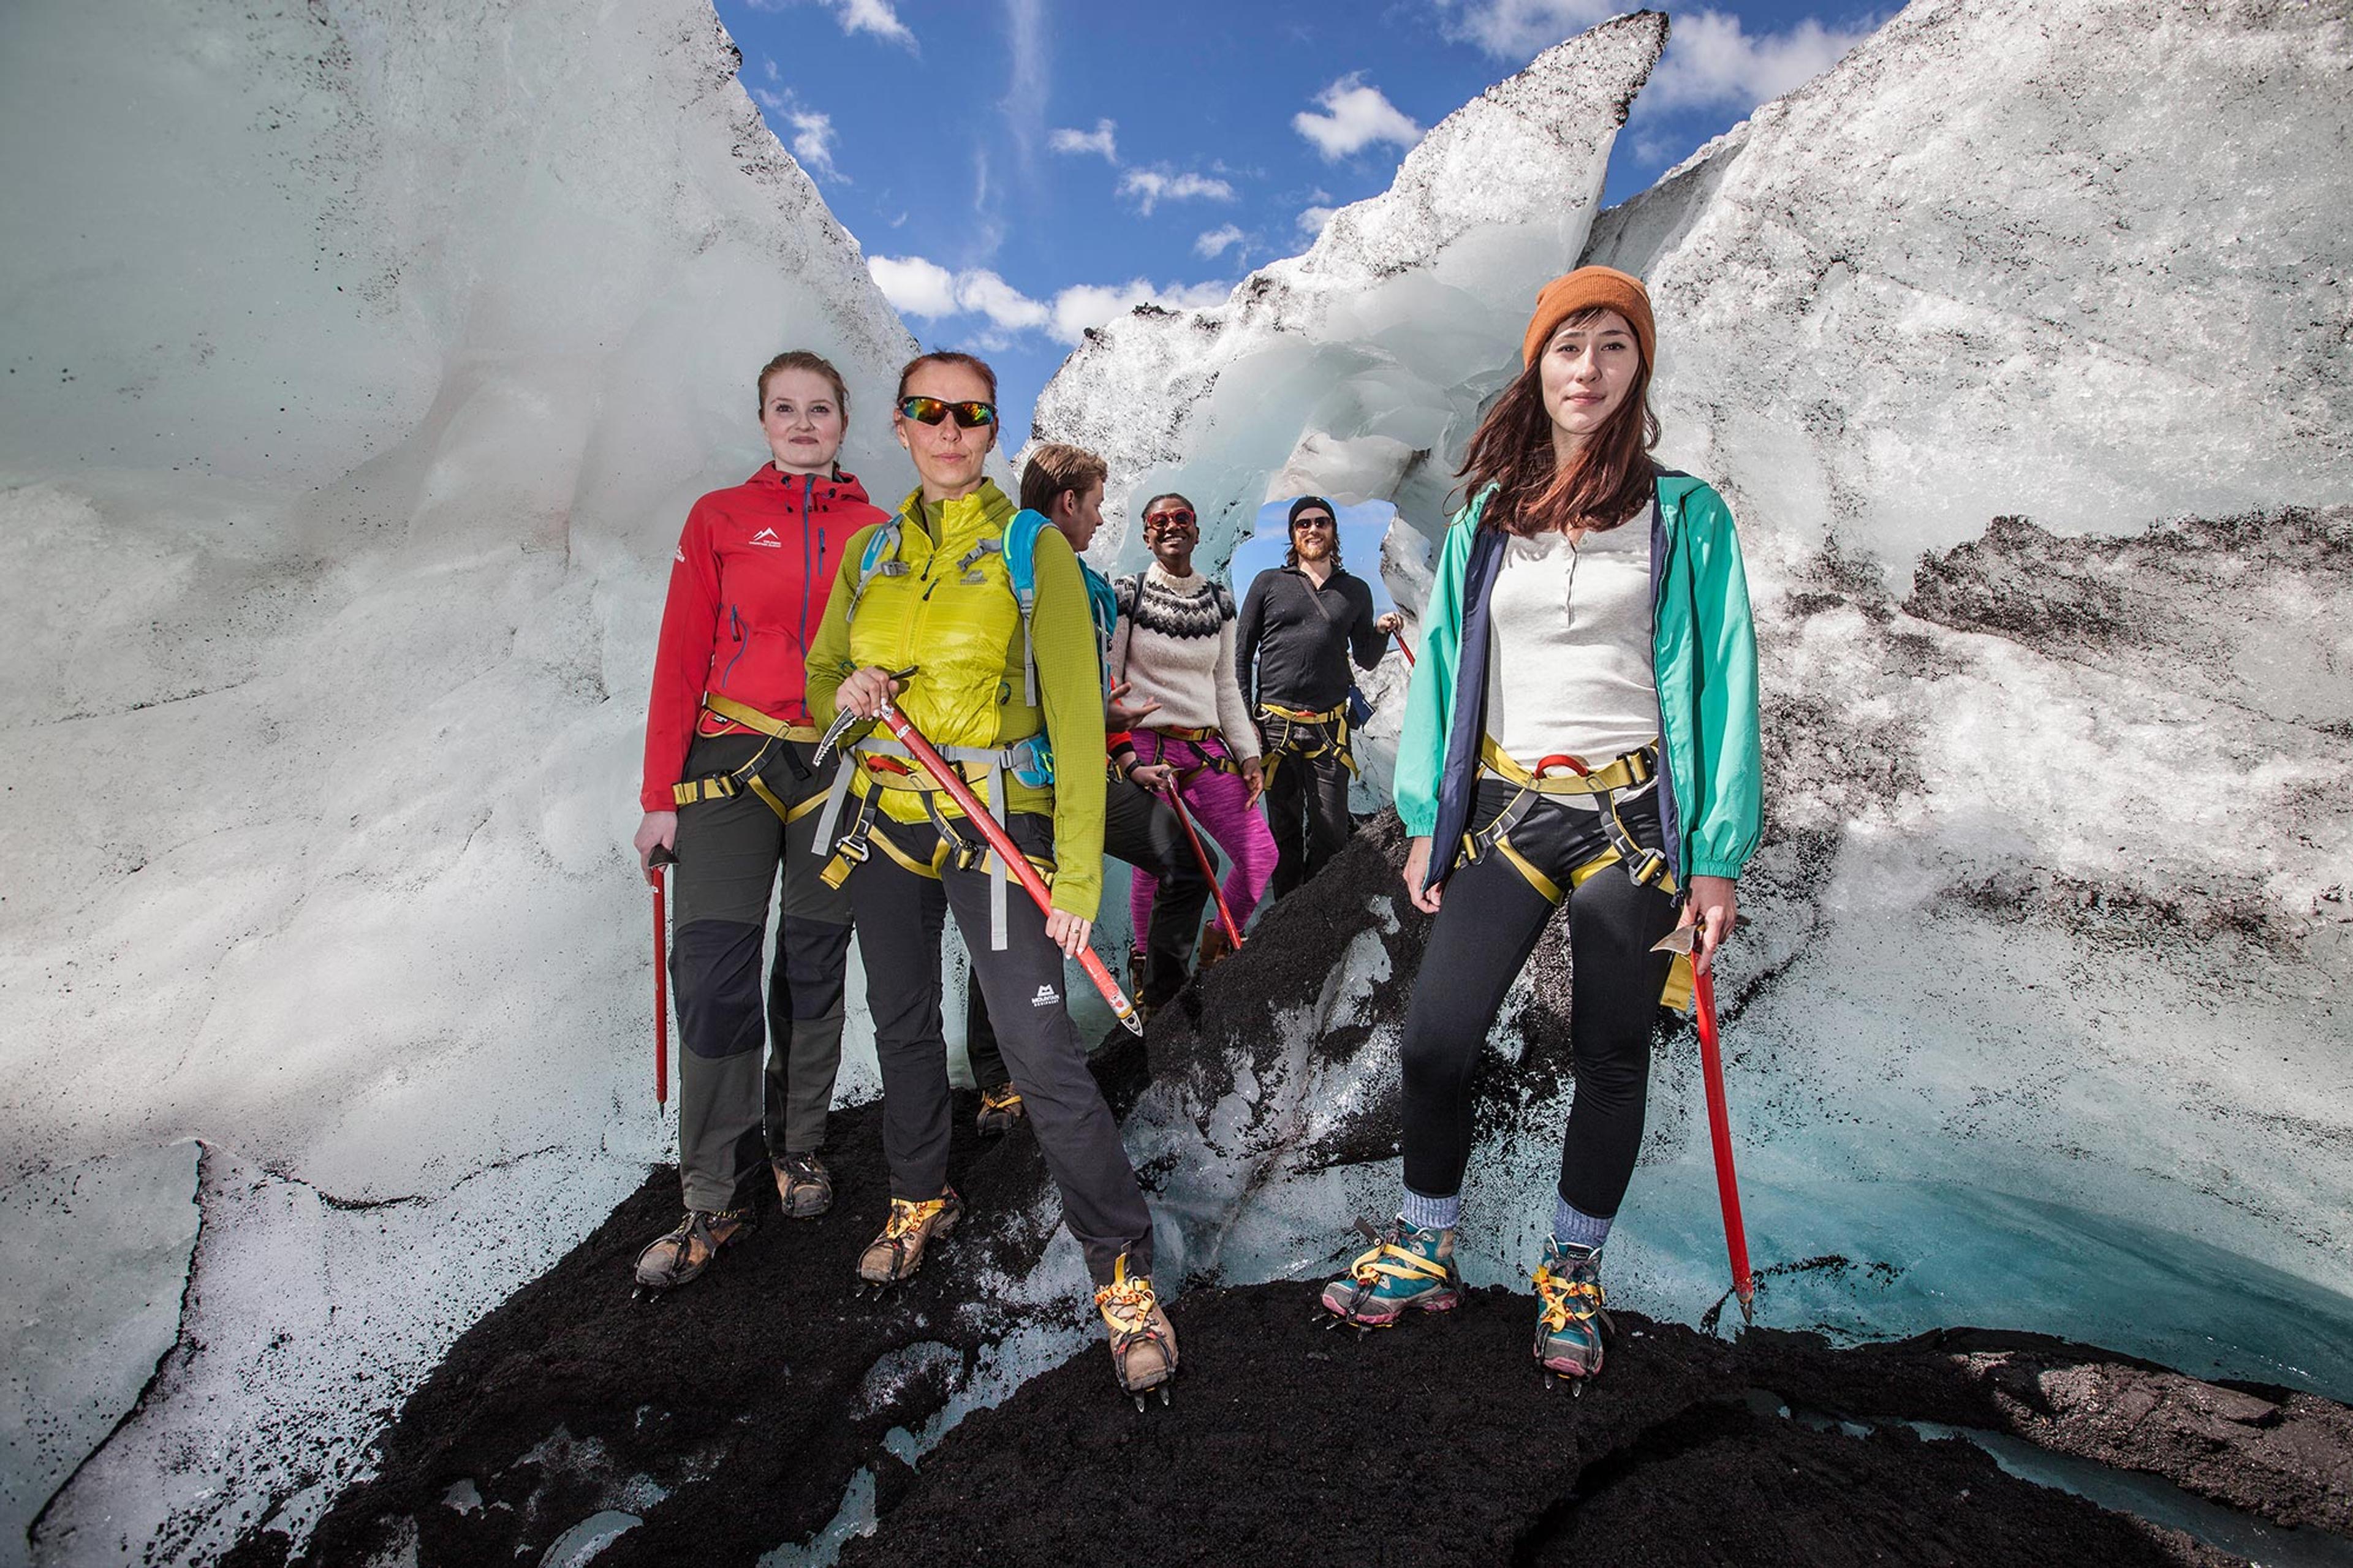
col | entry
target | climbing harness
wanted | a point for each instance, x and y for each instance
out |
(1558, 776)
(1304, 734)
(727, 785)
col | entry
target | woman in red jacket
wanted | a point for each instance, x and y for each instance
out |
(730, 789)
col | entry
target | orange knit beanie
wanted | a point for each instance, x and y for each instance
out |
(1585, 289)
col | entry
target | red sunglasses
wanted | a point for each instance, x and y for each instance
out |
(1177, 517)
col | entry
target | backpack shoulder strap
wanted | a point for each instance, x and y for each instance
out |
(1020, 548)
(880, 560)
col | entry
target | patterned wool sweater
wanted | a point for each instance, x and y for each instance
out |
(1175, 644)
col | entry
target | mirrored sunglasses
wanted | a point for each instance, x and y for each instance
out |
(932, 410)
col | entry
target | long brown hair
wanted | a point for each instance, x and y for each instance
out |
(1600, 487)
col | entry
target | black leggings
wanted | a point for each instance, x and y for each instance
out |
(1486, 928)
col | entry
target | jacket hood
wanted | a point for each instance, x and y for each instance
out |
(842, 487)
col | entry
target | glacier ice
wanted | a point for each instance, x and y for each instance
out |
(2085, 261)
(1367, 353)
(367, 358)
(326, 679)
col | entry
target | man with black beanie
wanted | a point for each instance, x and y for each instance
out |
(1300, 625)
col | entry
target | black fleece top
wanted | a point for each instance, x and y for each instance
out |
(1301, 637)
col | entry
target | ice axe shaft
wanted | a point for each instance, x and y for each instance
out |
(656, 861)
(901, 726)
(1719, 1122)
(1398, 637)
(1209, 866)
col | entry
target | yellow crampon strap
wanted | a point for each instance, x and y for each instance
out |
(1126, 1304)
(1561, 1297)
(1397, 1263)
(728, 785)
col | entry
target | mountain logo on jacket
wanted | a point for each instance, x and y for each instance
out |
(767, 538)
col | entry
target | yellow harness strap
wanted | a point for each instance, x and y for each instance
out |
(726, 786)
(1634, 768)
(1336, 740)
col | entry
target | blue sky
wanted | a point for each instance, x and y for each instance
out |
(1019, 170)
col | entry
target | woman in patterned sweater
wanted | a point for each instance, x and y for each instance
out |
(1174, 648)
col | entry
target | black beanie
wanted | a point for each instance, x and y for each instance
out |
(1305, 503)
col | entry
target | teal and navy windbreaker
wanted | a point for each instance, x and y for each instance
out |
(1702, 654)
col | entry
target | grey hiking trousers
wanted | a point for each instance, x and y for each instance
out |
(732, 1115)
(899, 916)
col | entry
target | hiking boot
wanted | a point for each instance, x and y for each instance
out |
(1000, 1110)
(1143, 1340)
(1570, 1319)
(688, 1249)
(1214, 947)
(898, 1252)
(804, 1185)
(1407, 1269)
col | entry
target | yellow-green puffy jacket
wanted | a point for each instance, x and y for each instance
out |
(962, 630)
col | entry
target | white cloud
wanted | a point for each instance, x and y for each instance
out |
(1089, 305)
(1518, 29)
(913, 286)
(1311, 221)
(1354, 117)
(875, 16)
(813, 144)
(813, 132)
(930, 292)
(1218, 241)
(1101, 140)
(1150, 187)
(1711, 62)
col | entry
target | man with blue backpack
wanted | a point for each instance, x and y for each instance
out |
(1064, 486)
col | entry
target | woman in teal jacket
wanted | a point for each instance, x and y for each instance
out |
(1582, 728)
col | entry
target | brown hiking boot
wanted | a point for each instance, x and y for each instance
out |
(1000, 1110)
(1143, 1340)
(682, 1255)
(804, 1185)
(898, 1252)
(1214, 946)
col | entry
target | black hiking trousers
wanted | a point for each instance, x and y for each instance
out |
(1487, 925)
(1142, 830)
(735, 858)
(899, 916)
(1306, 808)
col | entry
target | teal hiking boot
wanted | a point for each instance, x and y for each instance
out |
(1570, 1319)
(1407, 1269)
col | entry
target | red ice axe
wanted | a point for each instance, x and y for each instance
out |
(1398, 637)
(659, 858)
(1209, 866)
(1681, 940)
(901, 726)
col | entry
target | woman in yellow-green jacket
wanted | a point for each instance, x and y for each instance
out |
(1001, 692)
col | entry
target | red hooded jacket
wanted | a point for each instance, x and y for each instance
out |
(747, 589)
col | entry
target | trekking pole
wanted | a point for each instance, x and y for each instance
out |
(660, 857)
(1719, 1122)
(900, 725)
(1209, 866)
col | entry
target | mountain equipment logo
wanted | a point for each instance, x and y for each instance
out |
(1046, 997)
(767, 537)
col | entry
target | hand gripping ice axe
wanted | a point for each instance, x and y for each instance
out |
(1000, 841)
(660, 857)
(1209, 866)
(1683, 940)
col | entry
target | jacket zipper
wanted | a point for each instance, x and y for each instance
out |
(735, 625)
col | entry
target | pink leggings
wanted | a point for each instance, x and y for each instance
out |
(1220, 804)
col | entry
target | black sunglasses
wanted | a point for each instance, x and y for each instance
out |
(1311, 520)
(932, 410)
